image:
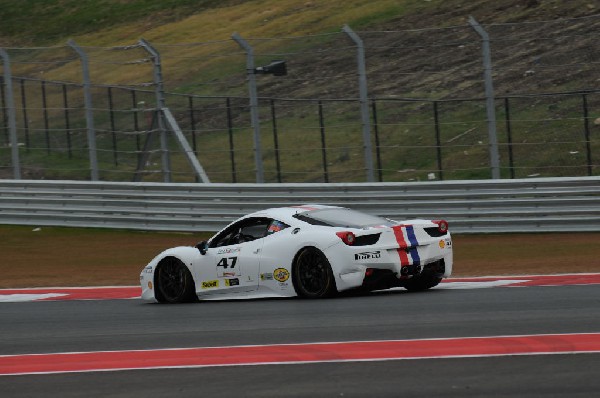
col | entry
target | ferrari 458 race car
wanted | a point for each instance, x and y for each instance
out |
(309, 251)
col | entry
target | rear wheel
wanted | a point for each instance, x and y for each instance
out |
(174, 283)
(312, 275)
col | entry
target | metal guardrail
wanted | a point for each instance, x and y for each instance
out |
(486, 206)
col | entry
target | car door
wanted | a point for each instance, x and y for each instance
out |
(232, 261)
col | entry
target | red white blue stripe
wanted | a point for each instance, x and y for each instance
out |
(408, 245)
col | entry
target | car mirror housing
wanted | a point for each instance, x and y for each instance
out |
(202, 247)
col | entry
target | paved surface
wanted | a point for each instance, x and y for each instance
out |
(82, 326)
(132, 292)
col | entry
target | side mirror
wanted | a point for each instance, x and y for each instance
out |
(202, 247)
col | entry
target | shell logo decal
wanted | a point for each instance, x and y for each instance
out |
(281, 274)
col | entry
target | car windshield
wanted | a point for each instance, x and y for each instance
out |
(342, 218)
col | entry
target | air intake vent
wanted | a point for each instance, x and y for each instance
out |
(434, 232)
(366, 240)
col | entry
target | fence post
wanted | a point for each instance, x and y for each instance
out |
(364, 104)
(230, 133)
(438, 141)
(187, 149)
(89, 115)
(67, 120)
(192, 123)
(275, 140)
(4, 112)
(111, 112)
(260, 177)
(10, 108)
(323, 144)
(45, 112)
(25, 119)
(136, 124)
(160, 105)
(377, 146)
(511, 163)
(586, 127)
(489, 95)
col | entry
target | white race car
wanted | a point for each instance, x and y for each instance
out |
(309, 251)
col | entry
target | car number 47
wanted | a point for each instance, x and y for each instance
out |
(227, 262)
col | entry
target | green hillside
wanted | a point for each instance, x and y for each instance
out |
(50, 21)
(93, 22)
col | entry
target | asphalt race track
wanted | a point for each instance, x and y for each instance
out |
(83, 326)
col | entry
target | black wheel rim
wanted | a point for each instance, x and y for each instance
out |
(171, 280)
(313, 274)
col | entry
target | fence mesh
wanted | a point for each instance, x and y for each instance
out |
(426, 106)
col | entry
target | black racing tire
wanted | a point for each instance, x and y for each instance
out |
(174, 282)
(312, 275)
(422, 282)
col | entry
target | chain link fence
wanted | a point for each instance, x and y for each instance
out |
(427, 115)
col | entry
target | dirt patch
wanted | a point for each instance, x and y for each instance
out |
(80, 257)
(519, 254)
(98, 257)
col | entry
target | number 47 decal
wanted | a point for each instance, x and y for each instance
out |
(227, 262)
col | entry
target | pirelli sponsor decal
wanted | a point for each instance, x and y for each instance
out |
(367, 255)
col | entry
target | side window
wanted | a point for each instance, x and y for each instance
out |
(244, 231)
(276, 226)
(255, 229)
(224, 237)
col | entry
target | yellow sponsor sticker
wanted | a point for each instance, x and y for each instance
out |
(281, 274)
(210, 284)
(232, 282)
(442, 244)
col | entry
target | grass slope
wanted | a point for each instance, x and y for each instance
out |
(96, 21)
(210, 23)
(49, 21)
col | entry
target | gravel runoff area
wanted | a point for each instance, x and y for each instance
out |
(52, 256)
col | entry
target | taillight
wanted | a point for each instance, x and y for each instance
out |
(442, 225)
(347, 237)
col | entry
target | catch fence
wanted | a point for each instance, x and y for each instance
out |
(427, 115)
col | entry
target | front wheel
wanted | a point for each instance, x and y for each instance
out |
(312, 274)
(174, 283)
